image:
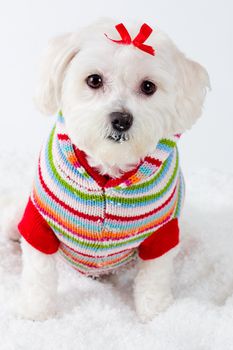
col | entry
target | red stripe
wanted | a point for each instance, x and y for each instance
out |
(142, 216)
(63, 137)
(64, 205)
(153, 161)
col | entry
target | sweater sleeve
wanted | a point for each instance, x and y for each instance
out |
(160, 242)
(36, 231)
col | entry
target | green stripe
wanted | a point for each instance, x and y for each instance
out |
(148, 197)
(154, 179)
(168, 143)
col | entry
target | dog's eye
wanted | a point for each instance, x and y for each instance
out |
(148, 88)
(94, 81)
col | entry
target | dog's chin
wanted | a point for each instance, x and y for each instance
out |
(116, 154)
(118, 137)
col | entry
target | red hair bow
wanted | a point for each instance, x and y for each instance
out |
(144, 33)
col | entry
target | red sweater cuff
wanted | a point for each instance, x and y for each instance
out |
(160, 242)
(37, 232)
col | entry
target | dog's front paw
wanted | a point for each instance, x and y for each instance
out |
(150, 303)
(35, 310)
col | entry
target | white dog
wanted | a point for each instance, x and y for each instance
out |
(109, 188)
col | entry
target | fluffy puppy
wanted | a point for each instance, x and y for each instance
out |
(109, 188)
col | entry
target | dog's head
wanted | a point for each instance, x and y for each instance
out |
(118, 100)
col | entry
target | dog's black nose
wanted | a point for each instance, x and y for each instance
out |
(121, 121)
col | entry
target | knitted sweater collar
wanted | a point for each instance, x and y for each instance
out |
(78, 165)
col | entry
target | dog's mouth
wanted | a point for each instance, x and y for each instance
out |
(118, 137)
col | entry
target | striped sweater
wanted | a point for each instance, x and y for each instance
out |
(98, 225)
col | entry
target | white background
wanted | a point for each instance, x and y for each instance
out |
(202, 29)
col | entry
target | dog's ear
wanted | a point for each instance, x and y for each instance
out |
(191, 87)
(54, 63)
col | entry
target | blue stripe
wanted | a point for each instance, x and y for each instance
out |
(164, 148)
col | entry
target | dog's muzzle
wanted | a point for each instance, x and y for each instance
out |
(121, 122)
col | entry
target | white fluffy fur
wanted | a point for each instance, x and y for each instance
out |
(152, 289)
(174, 108)
(37, 300)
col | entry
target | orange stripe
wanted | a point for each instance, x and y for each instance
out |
(71, 158)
